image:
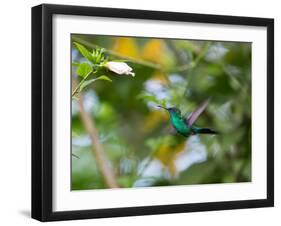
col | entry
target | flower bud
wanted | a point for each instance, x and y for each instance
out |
(119, 68)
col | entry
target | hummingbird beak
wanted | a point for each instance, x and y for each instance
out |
(162, 107)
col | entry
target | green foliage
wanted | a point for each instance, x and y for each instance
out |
(146, 96)
(200, 173)
(135, 133)
(96, 57)
(90, 81)
(85, 53)
(83, 69)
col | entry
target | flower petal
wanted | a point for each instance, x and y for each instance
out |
(119, 68)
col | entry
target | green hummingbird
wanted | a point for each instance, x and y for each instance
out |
(185, 125)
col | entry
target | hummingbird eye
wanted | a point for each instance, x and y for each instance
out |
(175, 110)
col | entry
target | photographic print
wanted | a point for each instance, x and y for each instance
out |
(149, 112)
(138, 112)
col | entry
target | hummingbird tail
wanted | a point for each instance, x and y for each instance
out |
(206, 131)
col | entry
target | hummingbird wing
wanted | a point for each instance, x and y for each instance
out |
(195, 114)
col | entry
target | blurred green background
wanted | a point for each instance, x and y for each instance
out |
(135, 133)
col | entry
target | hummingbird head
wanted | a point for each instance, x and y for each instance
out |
(171, 110)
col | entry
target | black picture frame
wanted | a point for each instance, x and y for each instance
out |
(42, 107)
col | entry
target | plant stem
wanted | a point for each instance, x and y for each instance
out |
(97, 147)
(180, 60)
(202, 53)
(149, 160)
(80, 83)
(183, 66)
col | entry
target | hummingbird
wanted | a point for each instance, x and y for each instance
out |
(185, 125)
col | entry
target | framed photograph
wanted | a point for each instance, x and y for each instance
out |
(145, 112)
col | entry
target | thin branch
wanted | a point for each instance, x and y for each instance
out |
(202, 53)
(183, 66)
(75, 155)
(97, 147)
(80, 83)
(114, 53)
(145, 166)
(180, 59)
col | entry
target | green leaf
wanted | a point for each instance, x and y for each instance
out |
(84, 69)
(98, 55)
(88, 82)
(104, 77)
(84, 51)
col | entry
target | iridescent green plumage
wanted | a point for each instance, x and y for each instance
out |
(184, 126)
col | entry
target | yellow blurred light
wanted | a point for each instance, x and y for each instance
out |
(168, 154)
(127, 47)
(153, 119)
(153, 51)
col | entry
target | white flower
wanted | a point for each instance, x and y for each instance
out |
(120, 68)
